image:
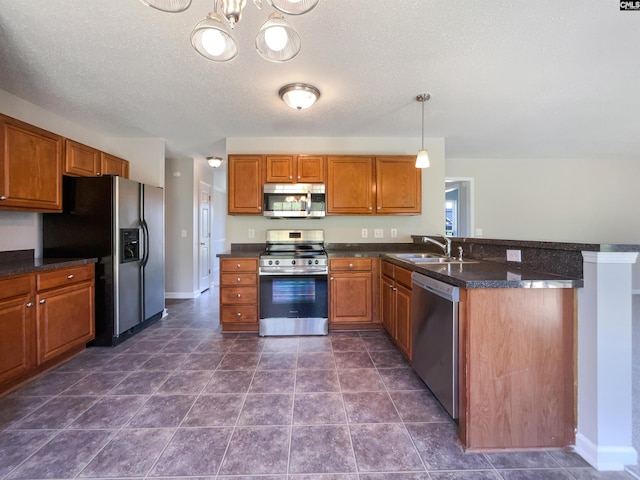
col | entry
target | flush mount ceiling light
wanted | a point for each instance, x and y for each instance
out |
(299, 96)
(422, 159)
(214, 162)
(276, 41)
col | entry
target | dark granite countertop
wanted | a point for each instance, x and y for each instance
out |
(32, 265)
(484, 274)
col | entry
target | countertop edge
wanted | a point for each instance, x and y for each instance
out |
(24, 267)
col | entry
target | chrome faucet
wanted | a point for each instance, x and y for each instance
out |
(446, 246)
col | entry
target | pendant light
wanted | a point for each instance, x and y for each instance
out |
(422, 159)
(276, 40)
(172, 6)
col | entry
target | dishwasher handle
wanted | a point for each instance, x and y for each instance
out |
(441, 289)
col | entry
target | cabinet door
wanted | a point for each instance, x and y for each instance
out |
(110, 165)
(350, 185)
(81, 160)
(350, 297)
(403, 319)
(30, 167)
(16, 337)
(310, 168)
(280, 169)
(388, 305)
(246, 174)
(398, 186)
(65, 319)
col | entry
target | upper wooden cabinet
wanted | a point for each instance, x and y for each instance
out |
(398, 185)
(350, 185)
(295, 168)
(112, 165)
(30, 167)
(383, 185)
(84, 161)
(245, 181)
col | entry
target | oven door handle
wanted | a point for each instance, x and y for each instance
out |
(308, 203)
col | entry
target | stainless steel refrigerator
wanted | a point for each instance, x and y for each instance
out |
(121, 222)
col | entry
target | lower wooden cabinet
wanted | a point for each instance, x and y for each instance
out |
(396, 305)
(44, 317)
(352, 288)
(239, 294)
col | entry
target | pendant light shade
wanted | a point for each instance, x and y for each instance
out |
(212, 39)
(299, 96)
(277, 41)
(173, 6)
(422, 159)
(214, 162)
(293, 7)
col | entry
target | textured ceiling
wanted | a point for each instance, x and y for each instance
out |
(514, 79)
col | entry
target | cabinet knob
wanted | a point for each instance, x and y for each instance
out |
(30, 304)
(331, 279)
(260, 208)
(370, 208)
(238, 314)
(43, 300)
(351, 265)
(290, 177)
(298, 177)
(394, 288)
(238, 279)
(379, 208)
(238, 265)
(70, 276)
(2, 197)
(391, 287)
(98, 174)
(238, 295)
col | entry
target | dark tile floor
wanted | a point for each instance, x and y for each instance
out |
(183, 400)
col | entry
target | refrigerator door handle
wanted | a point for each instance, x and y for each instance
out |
(145, 234)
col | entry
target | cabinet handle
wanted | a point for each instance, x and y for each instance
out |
(238, 314)
(351, 265)
(43, 300)
(238, 295)
(70, 276)
(2, 197)
(30, 304)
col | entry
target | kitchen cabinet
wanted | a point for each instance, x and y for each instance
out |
(239, 294)
(30, 167)
(398, 186)
(396, 305)
(112, 165)
(65, 317)
(45, 317)
(516, 369)
(84, 161)
(366, 185)
(245, 180)
(17, 352)
(295, 168)
(352, 288)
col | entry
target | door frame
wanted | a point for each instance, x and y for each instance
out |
(204, 189)
(467, 208)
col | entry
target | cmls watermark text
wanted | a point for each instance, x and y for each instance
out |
(630, 5)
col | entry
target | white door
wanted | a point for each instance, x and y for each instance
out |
(205, 236)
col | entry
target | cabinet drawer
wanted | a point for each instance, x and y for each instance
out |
(65, 276)
(403, 276)
(239, 264)
(350, 264)
(239, 314)
(239, 295)
(15, 286)
(387, 269)
(228, 279)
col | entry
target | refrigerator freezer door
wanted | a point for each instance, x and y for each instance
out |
(128, 283)
(153, 245)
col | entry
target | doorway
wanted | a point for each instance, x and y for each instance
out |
(459, 207)
(204, 227)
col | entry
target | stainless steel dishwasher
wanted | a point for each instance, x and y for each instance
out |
(434, 307)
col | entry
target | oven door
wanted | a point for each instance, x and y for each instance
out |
(294, 304)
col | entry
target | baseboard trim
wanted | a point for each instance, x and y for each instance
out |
(181, 295)
(611, 458)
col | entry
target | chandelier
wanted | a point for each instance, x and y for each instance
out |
(276, 40)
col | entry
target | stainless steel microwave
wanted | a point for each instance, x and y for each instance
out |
(294, 200)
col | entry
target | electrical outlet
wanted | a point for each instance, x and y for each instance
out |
(183, 233)
(365, 232)
(252, 233)
(394, 232)
(514, 256)
(478, 232)
(378, 233)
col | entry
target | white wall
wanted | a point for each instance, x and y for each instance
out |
(146, 156)
(341, 229)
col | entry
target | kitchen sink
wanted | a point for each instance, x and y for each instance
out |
(428, 258)
(415, 256)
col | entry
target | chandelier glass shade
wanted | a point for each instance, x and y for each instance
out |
(422, 159)
(276, 41)
(299, 96)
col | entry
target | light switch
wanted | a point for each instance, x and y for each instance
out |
(183, 233)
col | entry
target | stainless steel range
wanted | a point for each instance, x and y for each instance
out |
(294, 283)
